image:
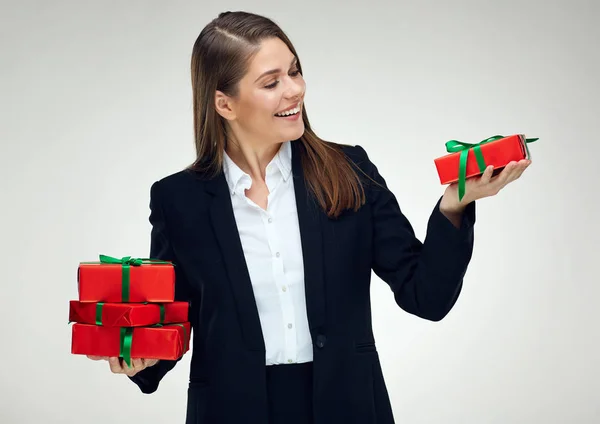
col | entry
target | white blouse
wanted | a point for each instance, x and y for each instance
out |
(273, 252)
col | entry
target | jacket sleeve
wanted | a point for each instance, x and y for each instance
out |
(425, 277)
(160, 248)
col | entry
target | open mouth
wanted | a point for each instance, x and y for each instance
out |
(287, 113)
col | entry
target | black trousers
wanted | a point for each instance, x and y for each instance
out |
(290, 393)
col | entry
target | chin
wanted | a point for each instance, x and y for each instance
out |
(294, 134)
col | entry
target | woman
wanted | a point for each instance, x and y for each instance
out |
(274, 233)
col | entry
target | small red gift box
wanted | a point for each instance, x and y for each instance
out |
(467, 160)
(157, 342)
(127, 314)
(126, 280)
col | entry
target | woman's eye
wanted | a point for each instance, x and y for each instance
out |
(293, 74)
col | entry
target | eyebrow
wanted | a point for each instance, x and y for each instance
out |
(276, 71)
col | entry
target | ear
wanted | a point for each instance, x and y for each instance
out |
(224, 106)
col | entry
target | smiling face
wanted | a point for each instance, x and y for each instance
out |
(268, 105)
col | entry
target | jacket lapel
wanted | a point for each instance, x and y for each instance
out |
(310, 216)
(223, 221)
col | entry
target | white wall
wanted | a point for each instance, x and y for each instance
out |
(96, 105)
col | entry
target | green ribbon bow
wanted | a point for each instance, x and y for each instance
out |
(454, 146)
(127, 262)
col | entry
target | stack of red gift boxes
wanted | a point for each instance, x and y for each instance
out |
(127, 309)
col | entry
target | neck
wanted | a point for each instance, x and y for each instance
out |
(252, 159)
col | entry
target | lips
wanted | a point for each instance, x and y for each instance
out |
(297, 105)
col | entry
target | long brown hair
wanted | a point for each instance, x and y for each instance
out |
(220, 58)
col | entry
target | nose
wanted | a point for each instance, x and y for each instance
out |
(295, 88)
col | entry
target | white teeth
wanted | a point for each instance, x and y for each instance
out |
(289, 112)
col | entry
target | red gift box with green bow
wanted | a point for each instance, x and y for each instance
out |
(466, 160)
(126, 280)
(128, 314)
(170, 341)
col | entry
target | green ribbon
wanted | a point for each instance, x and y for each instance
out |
(125, 344)
(99, 306)
(126, 263)
(127, 333)
(454, 146)
(127, 340)
(162, 313)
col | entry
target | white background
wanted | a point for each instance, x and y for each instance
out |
(96, 106)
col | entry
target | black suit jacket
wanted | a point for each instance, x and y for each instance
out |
(193, 225)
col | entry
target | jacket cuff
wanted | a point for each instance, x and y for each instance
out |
(446, 229)
(145, 380)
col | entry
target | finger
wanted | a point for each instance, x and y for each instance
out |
(115, 365)
(516, 172)
(521, 167)
(525, 163)
(487, 174)
(502, 179)
(137, 364)
(127, 369)
(97, 358)
(151, 362)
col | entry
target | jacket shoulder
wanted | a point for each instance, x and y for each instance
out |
(356, 154)
(176, 179)
(181, 183)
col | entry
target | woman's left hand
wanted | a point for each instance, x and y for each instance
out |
(483, 186)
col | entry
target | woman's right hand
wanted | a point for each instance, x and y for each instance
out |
(118, 366)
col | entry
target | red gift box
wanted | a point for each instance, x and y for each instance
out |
(127, 314)
(497, 153)
(158, 342)
(468, 160)
(126, 280)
